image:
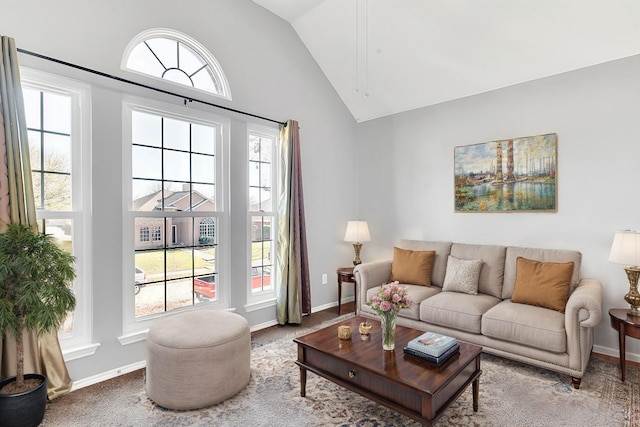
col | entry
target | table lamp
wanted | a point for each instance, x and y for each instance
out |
(626, 250)
(357, 232)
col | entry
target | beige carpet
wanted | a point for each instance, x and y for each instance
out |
(511, 394)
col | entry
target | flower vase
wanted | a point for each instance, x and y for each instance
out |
(388, 326)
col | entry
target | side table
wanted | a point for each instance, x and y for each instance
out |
(345, 275)
(625, 325)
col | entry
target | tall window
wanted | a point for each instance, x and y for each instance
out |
(175, 164)
(177, 58)
(262, 210)
(59, 147)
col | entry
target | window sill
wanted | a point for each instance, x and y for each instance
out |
(133, 337)
(260, 305)
(80, 352)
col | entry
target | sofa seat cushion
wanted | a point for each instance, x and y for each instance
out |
(456, 310)
(536, 327)
(416, 293)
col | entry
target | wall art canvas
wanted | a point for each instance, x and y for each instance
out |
(511, 175)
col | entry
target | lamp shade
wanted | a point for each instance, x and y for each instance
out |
(357, 231)
(625, 248)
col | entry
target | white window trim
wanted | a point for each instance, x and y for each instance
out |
(134, 330)
(79, 343)
(216, 68)
(266, 298)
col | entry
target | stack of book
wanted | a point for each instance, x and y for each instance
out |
(432, 347)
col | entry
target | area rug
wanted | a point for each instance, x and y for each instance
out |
(511, 394)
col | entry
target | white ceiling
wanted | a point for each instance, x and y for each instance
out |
(415, 53)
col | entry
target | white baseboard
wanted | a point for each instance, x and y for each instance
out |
(313, 310)
(324, 307)
(615, 352)
(85, 382)
(263, 325)
(95, 379)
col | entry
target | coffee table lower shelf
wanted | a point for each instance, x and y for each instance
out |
(411, 387)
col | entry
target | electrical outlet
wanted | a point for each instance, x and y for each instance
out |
(324, 278)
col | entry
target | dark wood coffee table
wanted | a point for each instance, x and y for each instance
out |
(417, 389)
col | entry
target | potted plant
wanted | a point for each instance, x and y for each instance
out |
(35, 295)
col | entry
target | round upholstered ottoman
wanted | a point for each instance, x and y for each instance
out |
(197, 358)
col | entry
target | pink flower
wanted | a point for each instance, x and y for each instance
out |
(386, 306)
(390, 298)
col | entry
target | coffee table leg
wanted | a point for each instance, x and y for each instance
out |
(475, 386)
(303, 382)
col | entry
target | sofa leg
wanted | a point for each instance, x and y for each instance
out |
(576, 382)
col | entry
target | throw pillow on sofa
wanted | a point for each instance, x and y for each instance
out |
(462, 275)
(544, 284)
(412, 267)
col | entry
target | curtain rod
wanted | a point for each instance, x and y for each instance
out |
(131, 82)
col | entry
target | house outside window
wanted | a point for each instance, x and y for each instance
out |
(207, 230)
(157, 234)
(144, 234)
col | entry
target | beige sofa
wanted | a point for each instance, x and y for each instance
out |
(550, 339)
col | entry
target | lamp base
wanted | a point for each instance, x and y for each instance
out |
(633, 297)
(356, 247)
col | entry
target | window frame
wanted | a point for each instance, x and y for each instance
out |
(78, 343)
(259, 300)
(190, 42)
(134, 329)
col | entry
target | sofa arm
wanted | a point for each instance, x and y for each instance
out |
(370, 275)
(585, 304)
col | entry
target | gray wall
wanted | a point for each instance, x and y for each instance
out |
(270, 73)
(405, 183)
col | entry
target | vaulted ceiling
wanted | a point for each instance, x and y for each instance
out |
(388, 56)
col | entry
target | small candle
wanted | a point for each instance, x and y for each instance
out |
(344, 332)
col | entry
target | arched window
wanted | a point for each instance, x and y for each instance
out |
(207, 229)
(175, 57)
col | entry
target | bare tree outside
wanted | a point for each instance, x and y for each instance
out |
(55, 179)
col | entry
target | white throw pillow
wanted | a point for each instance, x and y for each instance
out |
(462, 275)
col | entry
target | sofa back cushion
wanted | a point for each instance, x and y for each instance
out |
(544, 255)
(493, 259)
(442, 250)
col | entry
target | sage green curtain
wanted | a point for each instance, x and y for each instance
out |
(294, 293)
(42, 354)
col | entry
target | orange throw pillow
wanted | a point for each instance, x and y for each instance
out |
(544, 284)
(412, 267)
